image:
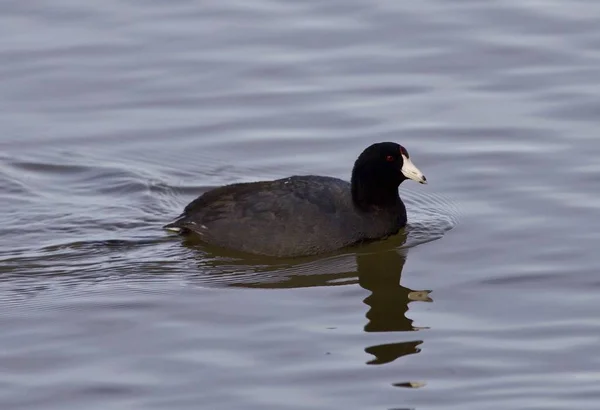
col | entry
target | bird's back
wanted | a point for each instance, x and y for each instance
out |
(300, 215)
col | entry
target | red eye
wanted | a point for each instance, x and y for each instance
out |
(390, 158)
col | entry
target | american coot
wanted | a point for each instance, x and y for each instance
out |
(306, 215)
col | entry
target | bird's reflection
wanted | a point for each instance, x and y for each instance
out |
(388, 303)
(375, 267)
(387, 353)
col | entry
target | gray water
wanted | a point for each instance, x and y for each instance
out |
(115, 114)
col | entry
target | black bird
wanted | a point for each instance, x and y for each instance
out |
(306, 215)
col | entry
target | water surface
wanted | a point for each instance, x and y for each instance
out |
(115, 114)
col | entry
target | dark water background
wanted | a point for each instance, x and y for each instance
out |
(114, 114)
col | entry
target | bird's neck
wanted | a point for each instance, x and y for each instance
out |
(370, 194)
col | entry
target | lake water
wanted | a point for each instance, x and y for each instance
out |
(115, 114)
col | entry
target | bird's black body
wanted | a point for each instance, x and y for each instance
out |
(303, 215)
